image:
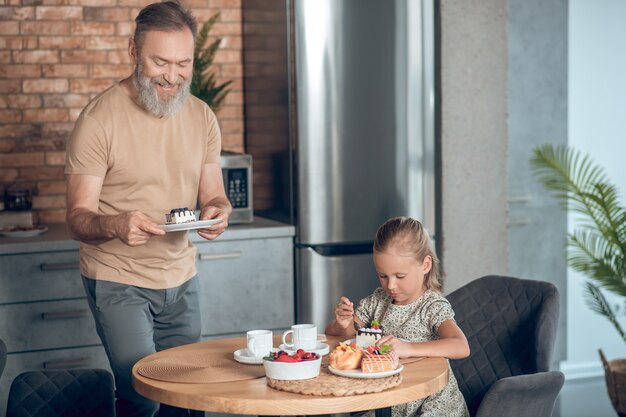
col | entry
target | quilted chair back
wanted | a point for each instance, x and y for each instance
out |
(3, 356)
(510, 325)
(62, 393)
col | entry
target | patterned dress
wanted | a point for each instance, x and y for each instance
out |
(416, 322)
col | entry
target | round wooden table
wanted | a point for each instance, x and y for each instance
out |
(252, 396)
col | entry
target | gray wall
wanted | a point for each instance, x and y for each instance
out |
(537, 102)
(473, 140)
(504, 91)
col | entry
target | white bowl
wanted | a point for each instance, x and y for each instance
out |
(291, 371)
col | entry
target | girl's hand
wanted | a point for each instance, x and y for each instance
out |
(451, 344)
(402, 348)
(344, 313)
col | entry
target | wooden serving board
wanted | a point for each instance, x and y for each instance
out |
(338, 386)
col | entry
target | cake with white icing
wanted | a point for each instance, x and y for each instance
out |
(368, 336)
(180, 215)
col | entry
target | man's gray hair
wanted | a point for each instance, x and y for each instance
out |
(168, 16)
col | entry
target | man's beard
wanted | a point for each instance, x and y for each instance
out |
(150, 99)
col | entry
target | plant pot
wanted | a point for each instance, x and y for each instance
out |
(615, 377)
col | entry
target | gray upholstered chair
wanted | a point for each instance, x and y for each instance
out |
(67, 393)
(511, 327)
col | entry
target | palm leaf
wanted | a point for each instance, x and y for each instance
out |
(605, 204)
(597, 302)
(597, 247)
(591, 255)
(576, 180)
(567, 172)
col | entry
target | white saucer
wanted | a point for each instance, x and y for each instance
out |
(321, 349)
(244, 356)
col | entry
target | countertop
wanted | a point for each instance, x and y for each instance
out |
(57, 237)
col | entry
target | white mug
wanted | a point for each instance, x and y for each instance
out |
(303, 336)
(259, 342)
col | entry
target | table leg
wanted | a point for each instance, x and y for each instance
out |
(383, 412)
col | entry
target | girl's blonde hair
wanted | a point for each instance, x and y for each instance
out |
(408, 236)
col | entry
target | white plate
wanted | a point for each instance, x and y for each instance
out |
(244, 356)
(38, 230)
(200, 224)
(321, 349)
(357, 373)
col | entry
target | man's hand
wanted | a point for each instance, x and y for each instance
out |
(134, 228)
(213, 231)
(213, 201)
(85, 224)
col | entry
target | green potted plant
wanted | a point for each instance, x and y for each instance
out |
(597, 246)
(204, 84)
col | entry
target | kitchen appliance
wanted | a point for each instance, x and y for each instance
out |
(15, 210)
(359, 78)
(364, 145)
(17, 198)
(237, 173)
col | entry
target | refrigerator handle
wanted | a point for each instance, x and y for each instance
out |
(331, 249)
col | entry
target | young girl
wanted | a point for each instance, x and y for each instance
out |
(416, 319)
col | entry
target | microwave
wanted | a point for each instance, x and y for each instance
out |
(237, 173)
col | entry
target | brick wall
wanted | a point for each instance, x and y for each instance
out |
(55, 55)
(266, 80)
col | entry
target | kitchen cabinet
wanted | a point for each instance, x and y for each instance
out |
(246, 281)
(246, 284)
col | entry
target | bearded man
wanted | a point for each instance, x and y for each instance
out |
(139, 149)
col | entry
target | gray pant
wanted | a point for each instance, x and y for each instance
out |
(134, 322)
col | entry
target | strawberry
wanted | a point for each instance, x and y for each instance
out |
(300, 355)
(378, 350)
(287, 358)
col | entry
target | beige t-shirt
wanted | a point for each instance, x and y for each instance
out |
(149, 164)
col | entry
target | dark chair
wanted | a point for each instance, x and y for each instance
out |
(62, 393)
(511, 327)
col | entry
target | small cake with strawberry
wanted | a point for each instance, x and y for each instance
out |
(379, 359)
(368, 336)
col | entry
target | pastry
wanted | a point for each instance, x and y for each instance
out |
(180, 215)
(346, 357)
(379, 359)
(368, 336)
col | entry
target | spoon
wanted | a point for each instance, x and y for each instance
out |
(355, 324)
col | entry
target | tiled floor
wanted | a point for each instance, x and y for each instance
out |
(584, 398)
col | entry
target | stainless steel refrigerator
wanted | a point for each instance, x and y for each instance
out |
(362, 143)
